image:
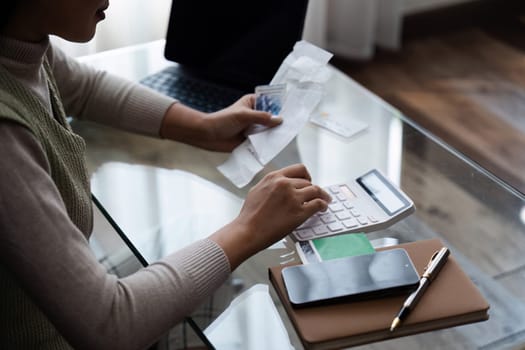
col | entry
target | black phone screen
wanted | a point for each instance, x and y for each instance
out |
(360, 277)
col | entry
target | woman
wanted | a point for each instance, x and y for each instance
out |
(55, 295)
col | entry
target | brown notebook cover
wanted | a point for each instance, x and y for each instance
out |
(451, 300)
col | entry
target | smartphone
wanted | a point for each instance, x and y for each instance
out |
(380, 274)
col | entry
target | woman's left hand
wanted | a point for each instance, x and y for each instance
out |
(228, 125)
(218, 131)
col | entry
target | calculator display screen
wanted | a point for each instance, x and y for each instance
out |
(382, 191)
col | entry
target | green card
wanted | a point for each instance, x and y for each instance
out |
(344, 245)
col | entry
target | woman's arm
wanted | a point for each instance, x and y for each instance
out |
(98, 96)
(95, 95)
(53, 262)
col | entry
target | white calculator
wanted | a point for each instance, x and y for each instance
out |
(369, 203)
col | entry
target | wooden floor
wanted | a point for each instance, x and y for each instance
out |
(466, 85)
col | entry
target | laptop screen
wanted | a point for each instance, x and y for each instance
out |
(234, 42)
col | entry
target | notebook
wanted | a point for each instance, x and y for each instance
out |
(225, 48)
(451, 300)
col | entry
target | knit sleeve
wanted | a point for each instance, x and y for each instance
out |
(52, 260)
(96, 95)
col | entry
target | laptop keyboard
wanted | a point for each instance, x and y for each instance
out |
(194, 93)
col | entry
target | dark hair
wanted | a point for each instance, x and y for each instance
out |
(7, 7)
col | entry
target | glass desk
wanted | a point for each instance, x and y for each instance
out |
(162, 195)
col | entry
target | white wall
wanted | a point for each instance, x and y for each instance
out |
(127, 22)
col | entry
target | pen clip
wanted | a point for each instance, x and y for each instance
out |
(431, 259)
(437, 260)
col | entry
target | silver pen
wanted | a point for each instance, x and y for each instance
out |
(435, 264)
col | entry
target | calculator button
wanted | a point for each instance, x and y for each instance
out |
(334, 189)
(341, 197)
(320, 230)
(328, 218)
(347, 192)
(355, 213)
(312, 221)
(305, 234)
(362, 220)
(347, 205)
(372, 219)
(343, 215)
(336, 226)
(335, 207)
(350, 223)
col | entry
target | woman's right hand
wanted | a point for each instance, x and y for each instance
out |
(274, 207)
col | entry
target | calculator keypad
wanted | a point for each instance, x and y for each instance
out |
(340, 216)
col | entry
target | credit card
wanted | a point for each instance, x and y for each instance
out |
(268, 98)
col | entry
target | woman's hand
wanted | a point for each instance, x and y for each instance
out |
(279, 203)
(218, 131)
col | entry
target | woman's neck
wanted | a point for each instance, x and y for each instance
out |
(23, 51)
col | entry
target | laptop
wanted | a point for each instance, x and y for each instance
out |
(223, 49)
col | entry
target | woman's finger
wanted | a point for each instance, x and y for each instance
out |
(314, 206)
(313, 192)
(296, 171)
(299, 183)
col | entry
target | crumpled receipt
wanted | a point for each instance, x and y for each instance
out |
(305, 73)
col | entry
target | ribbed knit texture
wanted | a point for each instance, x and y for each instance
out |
(64, 149)
(22, 324)
(190, 259)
